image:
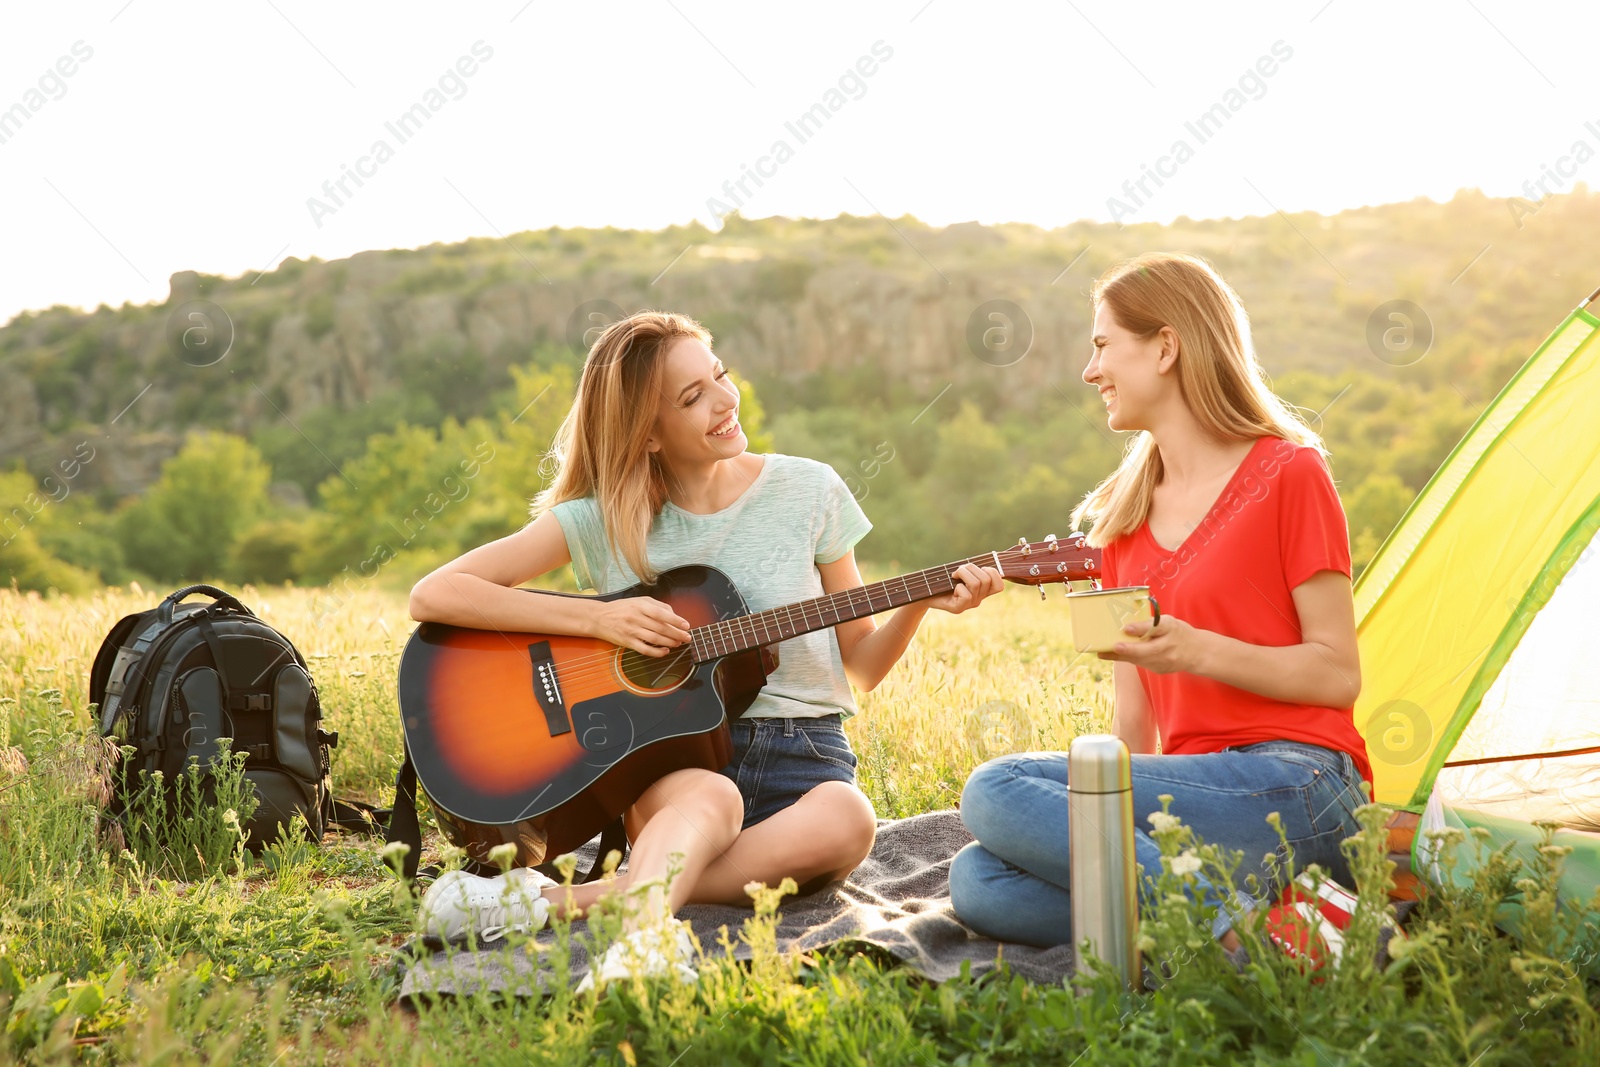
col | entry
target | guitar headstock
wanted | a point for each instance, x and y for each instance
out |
(1055, 559)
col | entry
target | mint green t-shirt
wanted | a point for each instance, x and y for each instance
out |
(796, 514)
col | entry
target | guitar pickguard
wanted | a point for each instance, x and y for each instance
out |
(617, 723)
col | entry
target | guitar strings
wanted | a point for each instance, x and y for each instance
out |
(722, 633)
(727, 632)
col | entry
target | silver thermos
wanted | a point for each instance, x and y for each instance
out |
(1105, 906)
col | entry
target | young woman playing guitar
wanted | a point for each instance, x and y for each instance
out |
(653, 474)
(1225, 508)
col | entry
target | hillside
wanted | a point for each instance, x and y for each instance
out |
(849, 330)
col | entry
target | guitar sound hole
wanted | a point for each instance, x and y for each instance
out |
(652, 672)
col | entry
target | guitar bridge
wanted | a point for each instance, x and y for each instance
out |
(547, 689)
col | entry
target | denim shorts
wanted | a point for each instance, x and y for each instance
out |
(776, 761)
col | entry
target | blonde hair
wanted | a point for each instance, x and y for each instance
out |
(1218, 376)
(600, 449)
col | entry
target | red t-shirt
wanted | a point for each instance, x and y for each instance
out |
(1278, 522)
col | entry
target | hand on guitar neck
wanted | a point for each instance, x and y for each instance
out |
(869, 651)
(974, 583)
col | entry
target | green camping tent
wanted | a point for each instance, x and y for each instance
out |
(1476, 620)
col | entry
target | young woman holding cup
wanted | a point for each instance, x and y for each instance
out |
(1224, 507)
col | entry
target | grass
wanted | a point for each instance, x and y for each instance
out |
(114, 951)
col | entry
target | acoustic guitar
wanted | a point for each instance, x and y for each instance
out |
(542, 740)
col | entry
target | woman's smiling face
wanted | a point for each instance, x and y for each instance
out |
(1125, 369)
(697, 415)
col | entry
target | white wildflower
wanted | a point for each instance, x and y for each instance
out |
(1187, 863)
(1163, 821)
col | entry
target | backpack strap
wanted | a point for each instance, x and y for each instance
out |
(124, 677)
(209, 632)
(127, 656)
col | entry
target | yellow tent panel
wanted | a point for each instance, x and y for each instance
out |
(1474, 561)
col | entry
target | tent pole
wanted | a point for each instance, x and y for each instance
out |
(1514, 759)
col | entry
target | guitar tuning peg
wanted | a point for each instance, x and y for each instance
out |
(1022, 543)
(1041, 591)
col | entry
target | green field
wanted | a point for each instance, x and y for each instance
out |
(107, 955)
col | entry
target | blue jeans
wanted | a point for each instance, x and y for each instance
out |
(1012, 883)
(776, 761)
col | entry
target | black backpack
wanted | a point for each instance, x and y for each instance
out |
(172, 680)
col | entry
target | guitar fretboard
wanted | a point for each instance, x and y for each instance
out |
(779, 624)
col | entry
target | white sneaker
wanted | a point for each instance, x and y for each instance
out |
(645, 954)
(490, 907)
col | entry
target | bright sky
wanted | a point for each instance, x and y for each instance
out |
(192, 135)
